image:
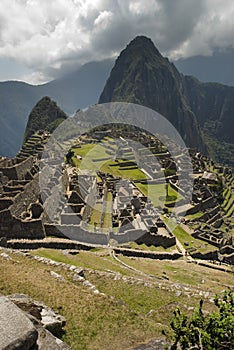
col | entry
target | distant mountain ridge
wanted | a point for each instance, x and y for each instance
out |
(215, 68)
(203, 113)
(76, 90)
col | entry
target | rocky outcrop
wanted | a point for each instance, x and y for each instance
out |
(26, 324)
(156, 344)
(16, 331)
(50, 320)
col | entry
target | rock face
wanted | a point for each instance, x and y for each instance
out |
(26, 324)
(213, 105)
(45, 115)
(16, 330)
(157, 344)
(142, 75)
(203, 113)
(48, 318)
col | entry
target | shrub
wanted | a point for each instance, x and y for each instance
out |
(211, 332)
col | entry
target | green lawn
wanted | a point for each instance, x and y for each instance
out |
(179, 271)
(129, 172)
(93, 158)
(107, 222)
(152, 248)
(157, 193)
(194, 216)
(133, 310)
(96, 215)
(100, 259)
(184, 236)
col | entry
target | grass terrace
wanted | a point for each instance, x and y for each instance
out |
(157, 193)
(189, 242)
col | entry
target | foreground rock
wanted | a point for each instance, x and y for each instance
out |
(156, 344)
(26, 324)
(16, 331)
(50, 320)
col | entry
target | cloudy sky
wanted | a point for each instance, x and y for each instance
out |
(41, 39)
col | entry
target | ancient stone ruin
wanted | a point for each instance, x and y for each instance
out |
(63, 204)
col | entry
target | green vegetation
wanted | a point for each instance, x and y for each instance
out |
(152, 248)
(196, 215)
(179, 271)
(96, 157)
(98, 260)
(93, 321)
(128, 313)
(157, 193)
(219, 150)
(107, 220)
(190, 243)
(212, 332)
(96, 216)
(46, 115)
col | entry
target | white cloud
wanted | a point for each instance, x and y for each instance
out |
(49, 36)
(103, 19)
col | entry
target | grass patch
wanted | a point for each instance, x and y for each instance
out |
(99, 260)
(94, 159)
(182, 272)
(194, 216)
(157, 193)
(128, 172)
(185, 238)
(96, 321)
(95, 219)
(107, 221)
(93, 321)
(152, 248)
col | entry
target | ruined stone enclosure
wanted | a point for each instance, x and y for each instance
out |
(112, 191)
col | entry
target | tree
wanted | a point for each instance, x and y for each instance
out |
(206, 332)
(69, 156)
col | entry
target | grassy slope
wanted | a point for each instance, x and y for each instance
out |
(99, 321)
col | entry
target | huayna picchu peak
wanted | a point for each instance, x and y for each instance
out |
(142, 75)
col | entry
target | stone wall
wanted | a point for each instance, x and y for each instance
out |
(36, 244)
(18, 170)
(77, 233)
(25, 198)
(156, 240)
(207, 256)
(12, 227)
(204, 205)
(151, 255)
(128, 236)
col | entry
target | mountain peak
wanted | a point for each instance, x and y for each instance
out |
(143, 76)
(143, 43)
(45, 115)
(142, 49)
